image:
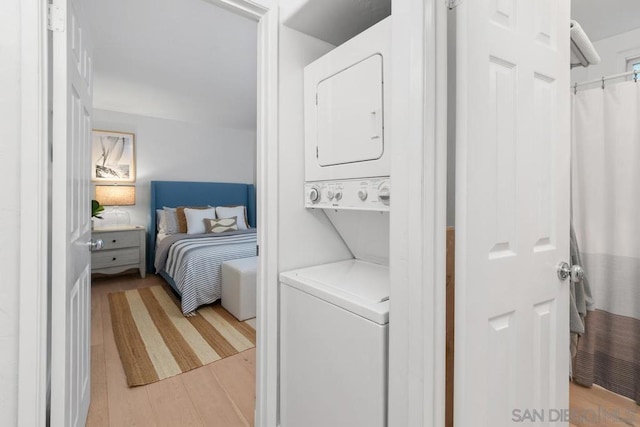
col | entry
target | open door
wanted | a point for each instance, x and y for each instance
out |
(512, 212)
(71, 220)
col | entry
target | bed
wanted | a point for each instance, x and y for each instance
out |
(191, 263)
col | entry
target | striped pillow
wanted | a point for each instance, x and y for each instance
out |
(170, 221)
(220, 225)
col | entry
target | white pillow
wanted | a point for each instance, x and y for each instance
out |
(235, 211)
(161, 222)
(170, 220)
(196, 217)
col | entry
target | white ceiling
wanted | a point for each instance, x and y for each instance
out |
(189, 60)
(605, 18)
(177, 59)
(335, 21)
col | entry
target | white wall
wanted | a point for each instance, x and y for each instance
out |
(10, 209)
(175, 150)
(613, 52)
(306, 237)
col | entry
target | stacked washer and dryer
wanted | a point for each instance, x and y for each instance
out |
(334, 317)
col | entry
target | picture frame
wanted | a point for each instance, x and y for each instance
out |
(113, 156)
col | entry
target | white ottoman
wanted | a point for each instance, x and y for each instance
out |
(239, 287)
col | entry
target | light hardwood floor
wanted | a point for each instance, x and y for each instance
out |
(219, 394)
(223, 393)
(595, 406)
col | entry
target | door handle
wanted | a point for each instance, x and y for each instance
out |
(375, 124)
(575, 272)
(95, 245)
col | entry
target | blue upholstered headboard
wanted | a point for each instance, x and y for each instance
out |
(185, 193)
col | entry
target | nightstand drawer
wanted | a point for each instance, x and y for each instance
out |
(119, 239)
(124, 248)
(105, 258)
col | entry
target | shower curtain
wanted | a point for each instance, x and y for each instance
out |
(606, 219)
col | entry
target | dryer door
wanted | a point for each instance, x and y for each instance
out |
(349, 114)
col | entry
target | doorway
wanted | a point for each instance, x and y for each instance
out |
(34, 329)
(176, 107)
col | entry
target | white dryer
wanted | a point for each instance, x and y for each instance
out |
(334, 337)
(346, 102)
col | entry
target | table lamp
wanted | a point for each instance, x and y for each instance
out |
(116, 196)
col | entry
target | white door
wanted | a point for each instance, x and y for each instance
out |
(71, 218)
(512, 212)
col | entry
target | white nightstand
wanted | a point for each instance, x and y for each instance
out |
(124, 248)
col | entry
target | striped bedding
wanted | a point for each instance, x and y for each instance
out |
(194, 264)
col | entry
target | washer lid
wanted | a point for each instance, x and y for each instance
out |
(358, 286)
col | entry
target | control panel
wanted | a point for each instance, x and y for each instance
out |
(357, 194)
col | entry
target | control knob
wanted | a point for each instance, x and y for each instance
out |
(314, 194)
(362, 194)
(338, 195)
(384, 193)
(330, 195)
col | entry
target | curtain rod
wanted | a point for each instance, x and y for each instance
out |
(601, 80)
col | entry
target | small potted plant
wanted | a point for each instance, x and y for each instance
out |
(96, 210)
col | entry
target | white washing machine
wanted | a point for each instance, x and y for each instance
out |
(334, 338)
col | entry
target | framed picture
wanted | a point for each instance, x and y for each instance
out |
(113, 156)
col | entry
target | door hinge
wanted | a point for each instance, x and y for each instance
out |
(257, 250)
(451, 4)
(317, 155)
(55, 18)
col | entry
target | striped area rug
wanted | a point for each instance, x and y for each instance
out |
(156, 341)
